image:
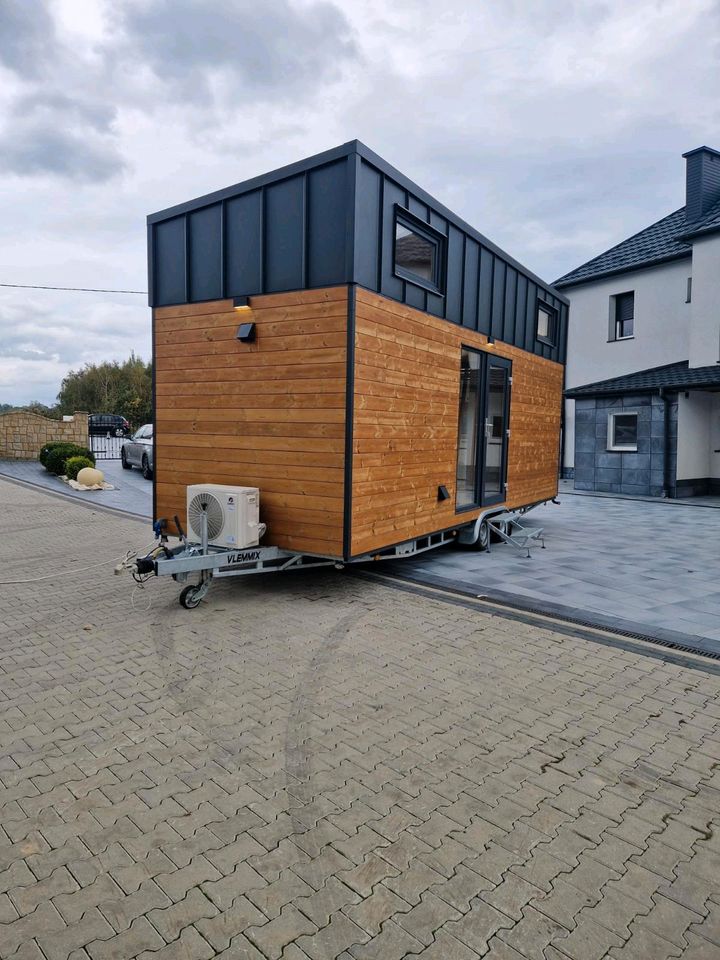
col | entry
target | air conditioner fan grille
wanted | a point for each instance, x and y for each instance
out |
(206, 502)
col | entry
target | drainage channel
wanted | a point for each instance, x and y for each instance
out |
(670, 651)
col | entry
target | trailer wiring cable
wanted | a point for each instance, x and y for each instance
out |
(122, 562)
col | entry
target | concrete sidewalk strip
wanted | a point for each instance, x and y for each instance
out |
(317, 765)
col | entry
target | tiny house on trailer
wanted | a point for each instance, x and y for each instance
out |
(332, 335)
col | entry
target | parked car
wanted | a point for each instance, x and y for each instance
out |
(102, 424)
(138, 451)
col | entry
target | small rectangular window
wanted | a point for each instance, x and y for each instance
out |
(624, 315)
(688, 295)
(418, 252)
(546, 330)
(623, 431)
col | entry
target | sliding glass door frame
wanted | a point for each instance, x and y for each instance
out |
(490, 497)
(484, 497)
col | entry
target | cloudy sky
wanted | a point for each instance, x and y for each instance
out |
(555, 127)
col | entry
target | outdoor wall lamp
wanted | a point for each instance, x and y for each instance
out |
(246, 333)
(241, 303)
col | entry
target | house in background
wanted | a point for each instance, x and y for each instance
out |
(642, 409)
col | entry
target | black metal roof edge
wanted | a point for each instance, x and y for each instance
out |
(407, 184)
(254, 183)
(337, 153)
(624, 376)
(634, 268)
(699, 232)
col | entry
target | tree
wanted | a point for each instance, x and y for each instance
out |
(110, 387)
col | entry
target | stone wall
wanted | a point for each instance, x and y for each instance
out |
(641, 472)
(23, 434)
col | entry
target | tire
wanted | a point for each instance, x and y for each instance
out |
(146, 471)
(119, 432)
(123, 460)
(189, 598)
(483, 539)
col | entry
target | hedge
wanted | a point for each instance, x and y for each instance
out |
(57, 457)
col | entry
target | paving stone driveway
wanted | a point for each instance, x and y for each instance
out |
(322, 766)
(646, 566)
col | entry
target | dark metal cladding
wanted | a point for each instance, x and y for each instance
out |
(330, 220)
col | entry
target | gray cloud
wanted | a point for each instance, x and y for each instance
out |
(52, 133)
(27, 32)
(38, 149)
(201, 48)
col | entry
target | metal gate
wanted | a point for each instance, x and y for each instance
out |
(106, 448)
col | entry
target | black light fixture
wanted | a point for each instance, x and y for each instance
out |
(490, 340)
(246, 333)
(241, 303)
(443, 493)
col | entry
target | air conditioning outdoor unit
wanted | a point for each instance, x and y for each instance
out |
(233, 515)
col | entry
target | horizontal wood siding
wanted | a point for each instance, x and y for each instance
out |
(270, 414)
(405, 425)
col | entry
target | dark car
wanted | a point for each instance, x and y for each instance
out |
(138, 451)
(108, 424)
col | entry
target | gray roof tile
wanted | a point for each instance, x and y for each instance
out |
(654, 244)
(671, 376)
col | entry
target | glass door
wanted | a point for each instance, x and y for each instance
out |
(482, 429)
(495, 430)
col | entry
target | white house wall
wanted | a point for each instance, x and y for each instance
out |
(705, 322)
(661, 330)
(693, 435)
(715, 436)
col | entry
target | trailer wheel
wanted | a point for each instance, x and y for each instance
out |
(191, 596)
(483, 540)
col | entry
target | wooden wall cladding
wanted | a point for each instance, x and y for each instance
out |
(269, 414)
(406, 390)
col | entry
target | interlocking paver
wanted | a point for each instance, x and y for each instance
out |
(479, 925)
(430, 780)
(139, 937)
(221, 929)
(275, 935)
(338, 935)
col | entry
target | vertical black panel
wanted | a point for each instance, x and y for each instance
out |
(528, 341)
(508, 334)
(170, 261)
(521, 310)
(485, 294)
(435, 305)
(418, 208)
(205, 253)
(453, 283)
(284, 235)
(327, 224)
(243, 245)
(391, 285)
(470, 283)
(414, 296)
(367, 227)
(498, 298)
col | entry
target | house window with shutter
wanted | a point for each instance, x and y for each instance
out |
(623, 316)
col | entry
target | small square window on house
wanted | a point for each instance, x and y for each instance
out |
(417, 252)
(622, 432)
(624, 318)
(546, 324)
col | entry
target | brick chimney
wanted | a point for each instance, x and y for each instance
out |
(702, 181)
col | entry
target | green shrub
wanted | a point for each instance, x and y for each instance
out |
(58, 457)
(49, 447)
(74, 465)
